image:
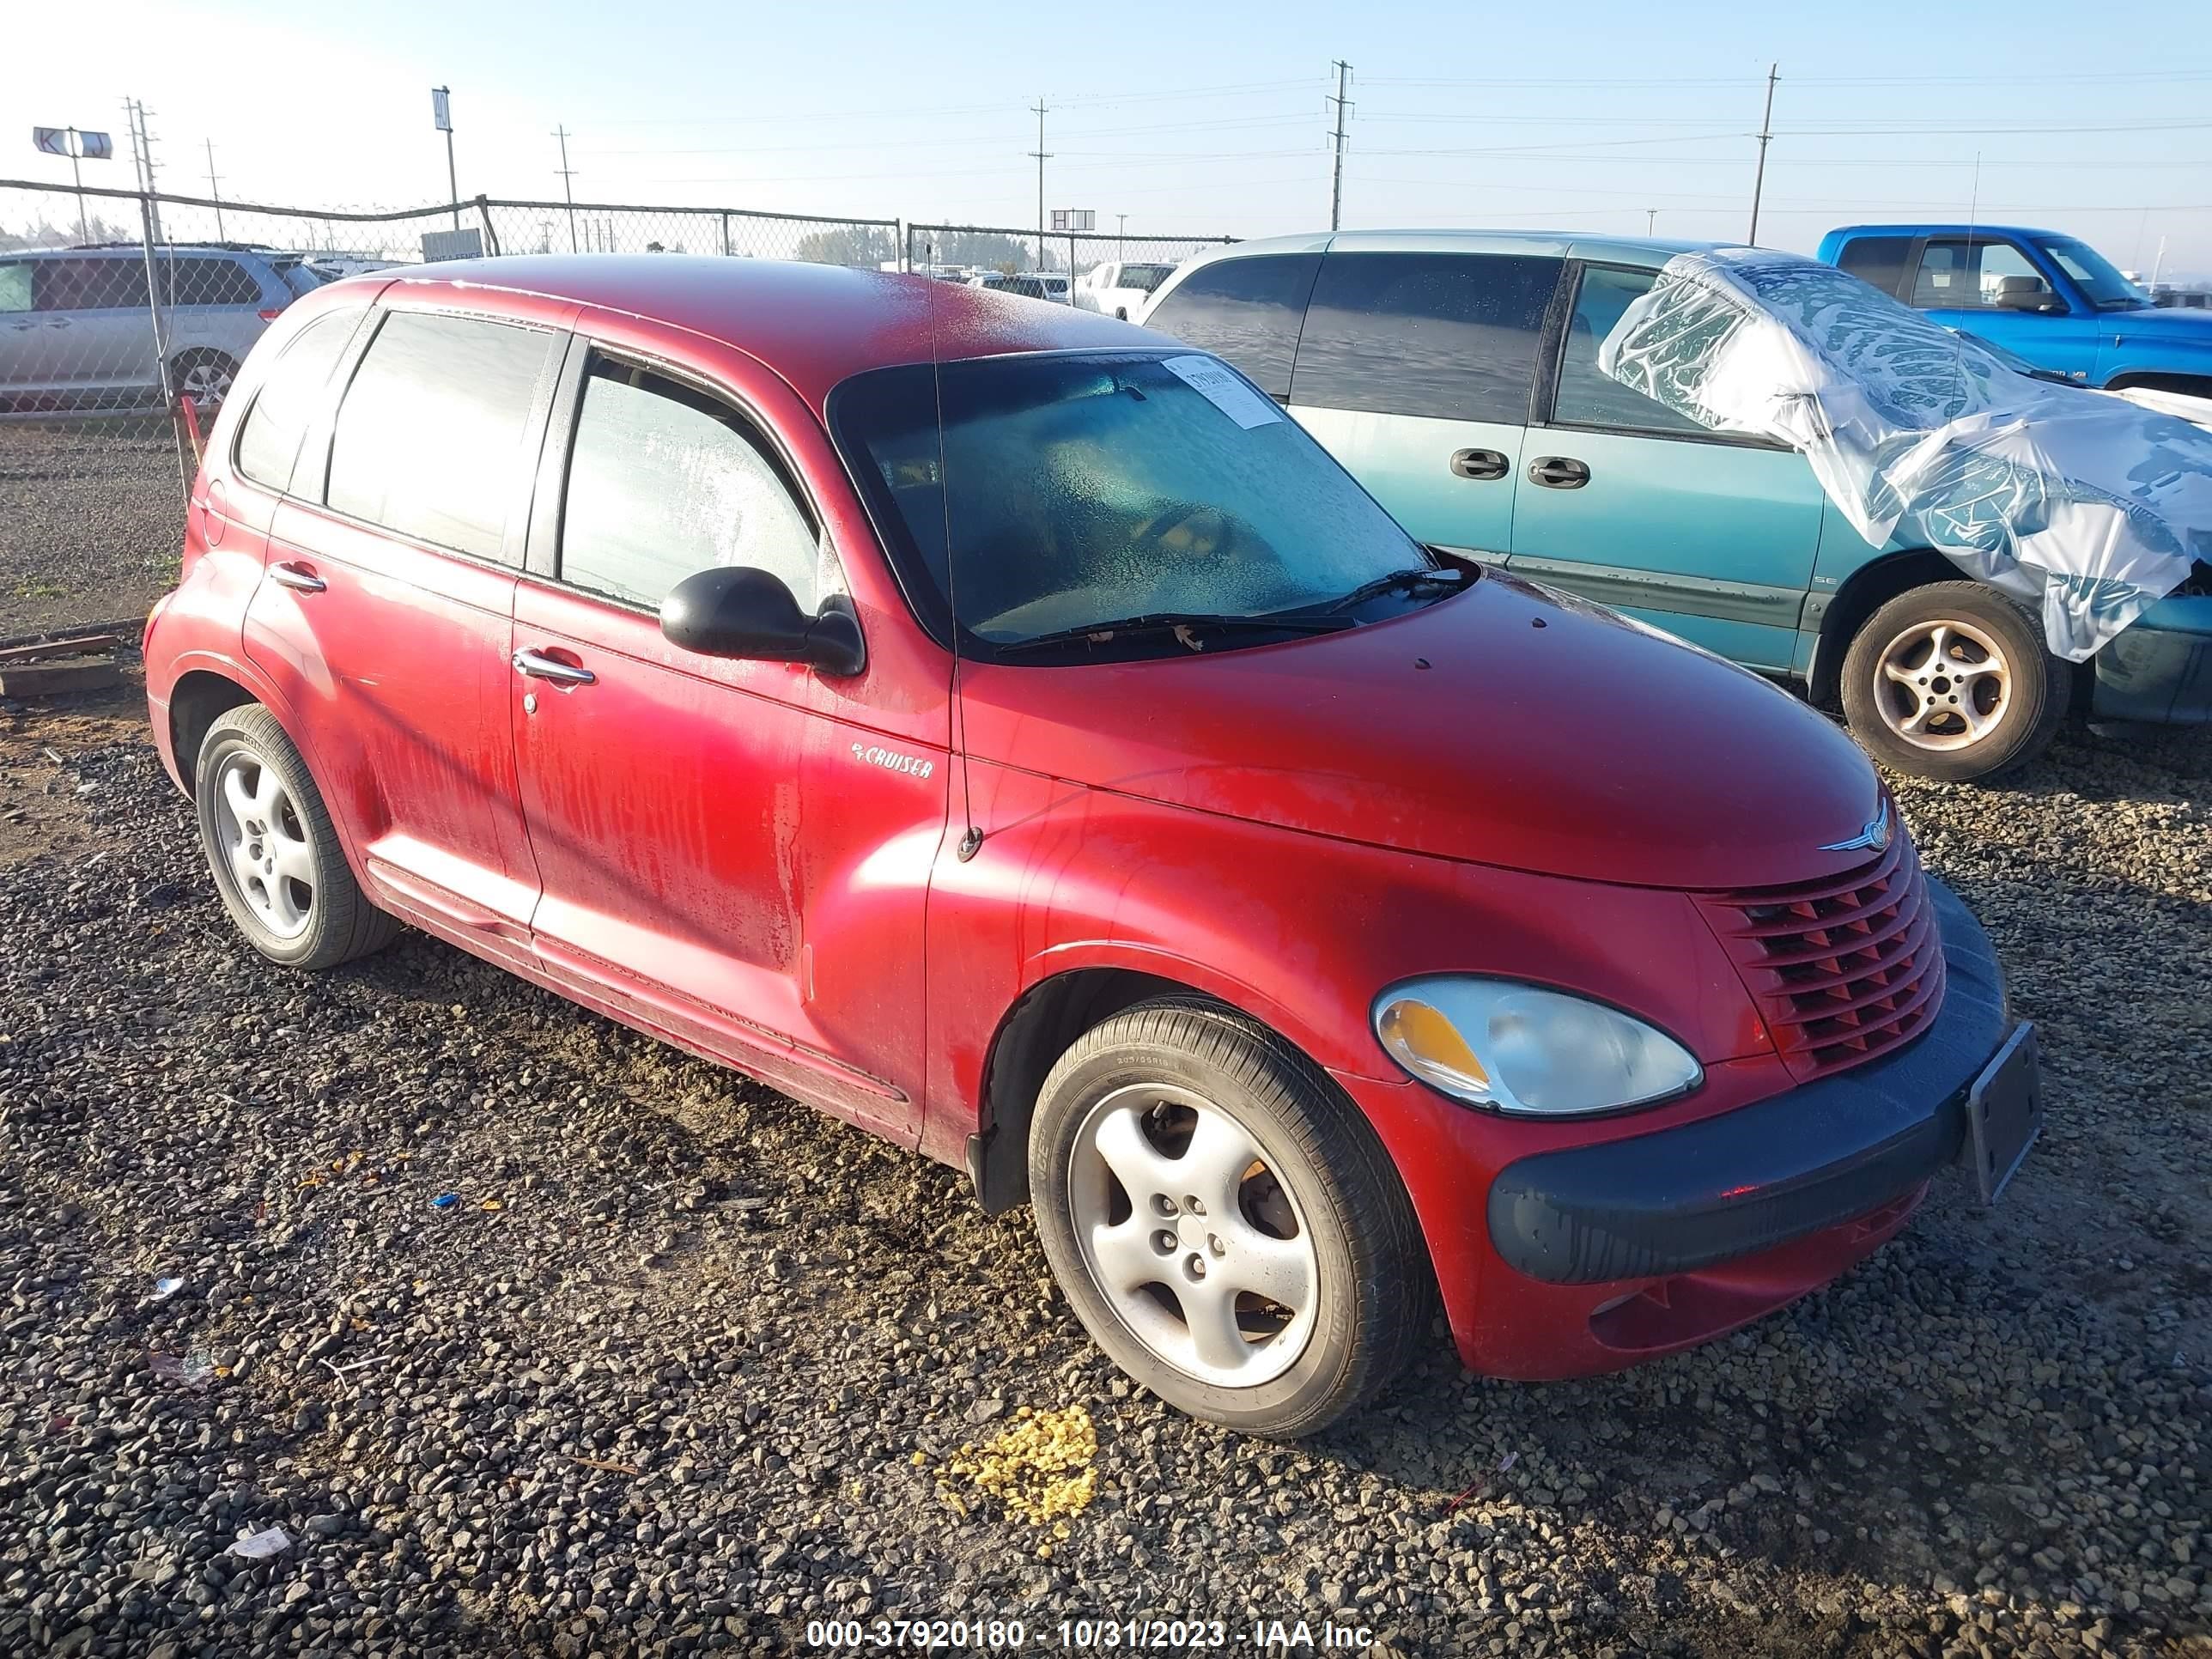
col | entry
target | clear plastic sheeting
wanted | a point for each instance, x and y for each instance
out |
(2090, 508)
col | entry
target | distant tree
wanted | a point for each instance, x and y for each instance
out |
(862, 247)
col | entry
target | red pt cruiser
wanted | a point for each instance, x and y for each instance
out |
(1001, 727)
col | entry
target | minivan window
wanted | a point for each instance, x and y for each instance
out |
(269, 442)
(664, 481)
(92, 284)
(1879, 260)
(1246, 310)
(1587, 395)
(206, 282)
(1449, 335)
(1093, 489)
(15, 288)
(428, 441)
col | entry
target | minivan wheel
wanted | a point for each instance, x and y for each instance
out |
(1951, 681)
(205, 376)
(274, 856)
(1228, 1227)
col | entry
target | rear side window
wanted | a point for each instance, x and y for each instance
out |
(15, 288)
(1587, 395)
(1878, 260)
(428, 441)
(1246, 310)
(664, 481)
(269, 442)
(90, 284)
(197, 281)
(1449, 335)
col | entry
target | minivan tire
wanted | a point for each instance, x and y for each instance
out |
(1319, 1189)
(294, 897)
(1893, 681)
(203, 375)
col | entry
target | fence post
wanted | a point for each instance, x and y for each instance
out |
(726, 233)
(906, 249)
(491, 236)
(147, 233)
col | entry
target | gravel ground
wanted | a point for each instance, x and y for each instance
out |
(684, 1365)
(90, 524)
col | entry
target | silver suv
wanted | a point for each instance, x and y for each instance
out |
(77, 327)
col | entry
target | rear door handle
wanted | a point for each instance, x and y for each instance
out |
(1559, 472)
(297, 577)
(548, 668)
(1480, 464)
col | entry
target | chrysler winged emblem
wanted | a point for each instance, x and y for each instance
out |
(1874, 837)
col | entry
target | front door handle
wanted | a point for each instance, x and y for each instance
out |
(1479, 463)
(540, 667)
(1559, 472)
(297, 577)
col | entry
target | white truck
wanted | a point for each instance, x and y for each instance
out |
(1118, 288)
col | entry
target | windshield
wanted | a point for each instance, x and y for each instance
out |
(2108, 289)
(1095, 487)
(1143, 279)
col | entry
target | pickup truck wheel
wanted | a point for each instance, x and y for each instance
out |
(1226, 1224)
(1951, 681)
(274, 851)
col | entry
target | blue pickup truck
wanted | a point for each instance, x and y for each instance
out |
(2049, 298)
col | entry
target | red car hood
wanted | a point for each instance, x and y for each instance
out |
(1508, 725)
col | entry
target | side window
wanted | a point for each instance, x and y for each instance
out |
(1958, 274)
(1448, 335)
(269, 442)
(428, 441)
(1878, 260)
(664, 481)
(1587, 396)
(91, 284)
(15, 286)
(1246, 310)
(203, 281)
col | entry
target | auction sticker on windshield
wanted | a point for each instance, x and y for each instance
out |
(1218, 384)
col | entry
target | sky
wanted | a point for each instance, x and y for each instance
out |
(1189, 119)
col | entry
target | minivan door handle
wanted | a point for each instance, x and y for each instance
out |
(1559, 472)
(548, 668)
(1479, 463)
(297, 577)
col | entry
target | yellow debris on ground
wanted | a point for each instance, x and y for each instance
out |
(1039, 1468)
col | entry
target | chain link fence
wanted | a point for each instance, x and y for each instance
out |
(1066, 265)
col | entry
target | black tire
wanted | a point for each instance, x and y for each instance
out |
(2028, 696)
(1374, 1290)
(339, 922)
(207, 376)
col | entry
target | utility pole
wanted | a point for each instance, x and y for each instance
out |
(1042, 155)
(1336, 183)
(1650, 222)
(568, 187)
(213, 192)
(142, 157)
(1121, 232)
(1765, 133)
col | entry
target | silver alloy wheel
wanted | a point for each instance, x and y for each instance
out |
(265, 849)
(1943, 685)
(206, 382)
(1193, 1240)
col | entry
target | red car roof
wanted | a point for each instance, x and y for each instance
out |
(814, 325)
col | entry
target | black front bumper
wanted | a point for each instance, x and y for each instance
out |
(1814, 1158)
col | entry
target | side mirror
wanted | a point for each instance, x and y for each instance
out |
(749, 614)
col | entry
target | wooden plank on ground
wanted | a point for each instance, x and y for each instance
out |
(51, 679)
(84, 646)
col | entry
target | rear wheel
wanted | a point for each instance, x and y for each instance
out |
(204, 376)
(1951, 681)
(1226, 1224)
(274, 851)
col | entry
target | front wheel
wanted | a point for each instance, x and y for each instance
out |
(1951, 681)
(1228, 1227)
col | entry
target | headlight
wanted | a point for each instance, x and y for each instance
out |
(1516, 1049)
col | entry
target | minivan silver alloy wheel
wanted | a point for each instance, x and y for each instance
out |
(206, 382)
(1191, 1238)
(1944, 685)
(266, 853)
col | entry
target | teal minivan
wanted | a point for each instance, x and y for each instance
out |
(1456, 373)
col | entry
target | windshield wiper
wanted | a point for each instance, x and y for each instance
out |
(1181, 622)
(1449, 575)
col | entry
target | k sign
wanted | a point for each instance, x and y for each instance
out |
(55, 141)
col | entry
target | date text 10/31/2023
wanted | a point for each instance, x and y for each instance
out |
(1265, 1635)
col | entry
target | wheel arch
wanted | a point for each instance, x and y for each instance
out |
(1864, 591)
(198, 698)
(2194, 386)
